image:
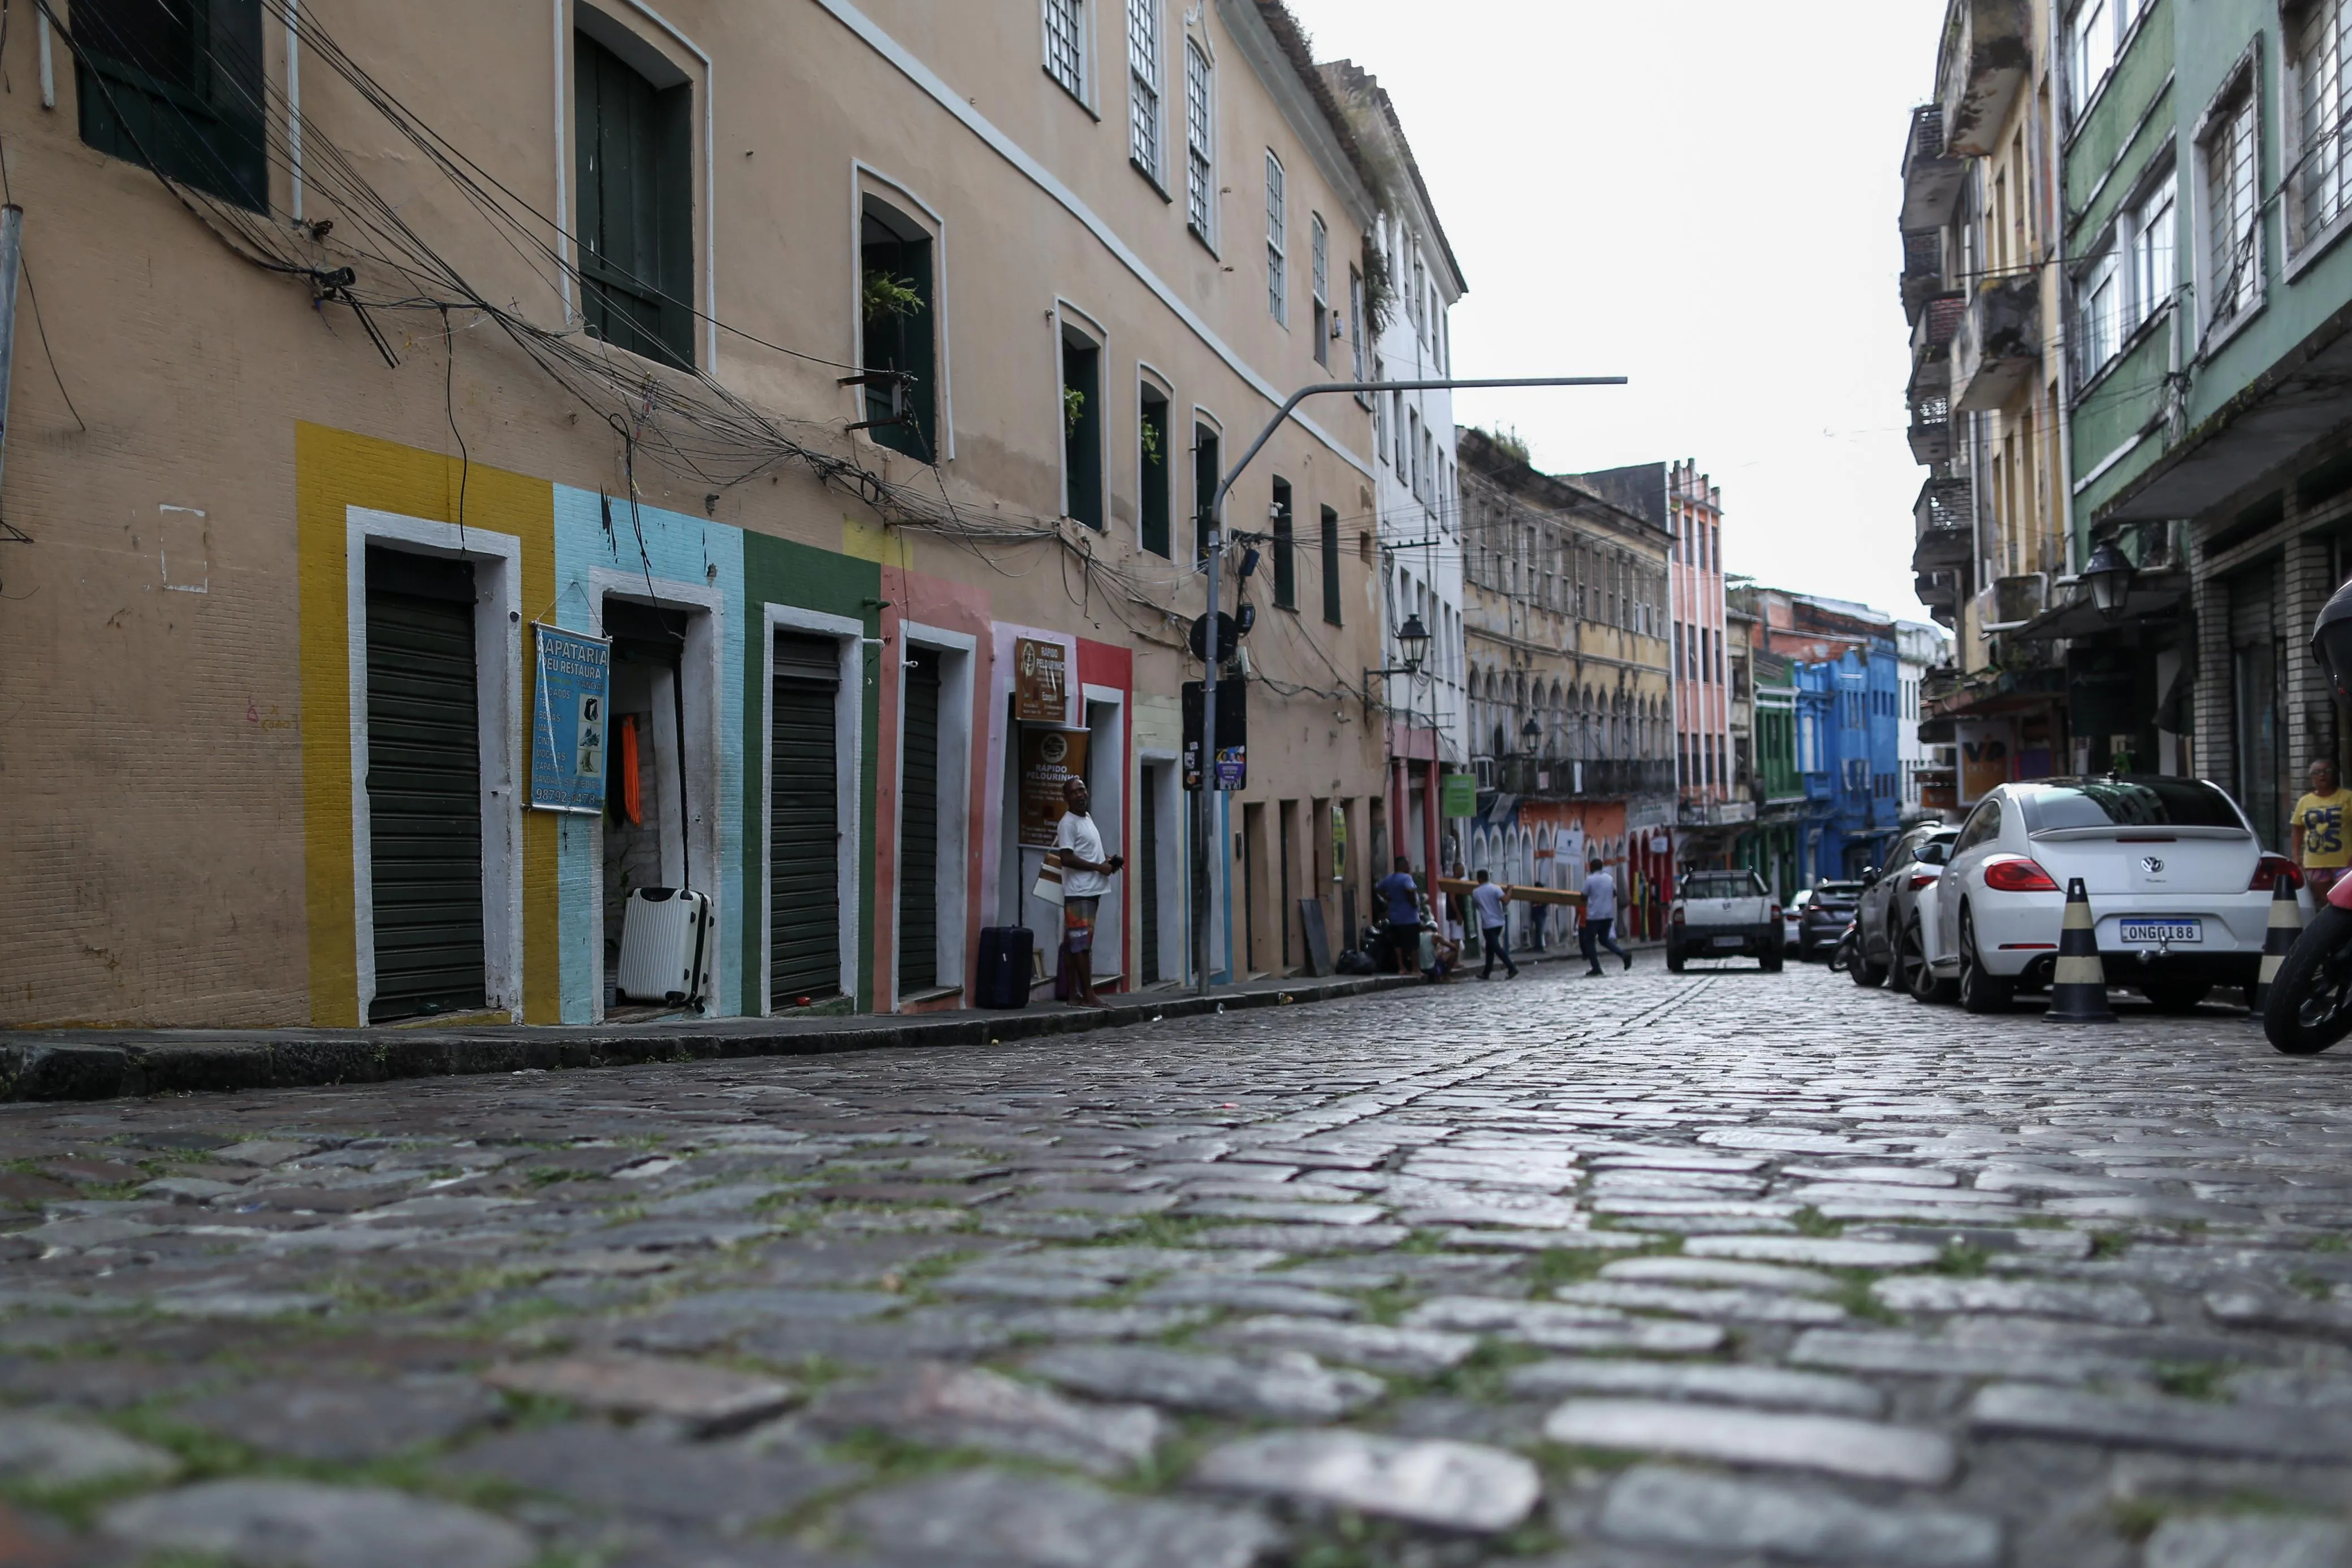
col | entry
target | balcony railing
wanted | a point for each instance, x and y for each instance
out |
(1998, 346)
(1931, 179)
(1931, 429)
(1931, 344)
(1944, 524)
(1923, 270)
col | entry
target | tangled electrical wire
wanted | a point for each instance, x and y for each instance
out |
(356, 250)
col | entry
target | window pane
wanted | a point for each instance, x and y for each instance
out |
(1278, 281)
(1143, 83)
(1065, 47)
(1200, 176)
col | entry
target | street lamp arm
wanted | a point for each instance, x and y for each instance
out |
(1217, 506)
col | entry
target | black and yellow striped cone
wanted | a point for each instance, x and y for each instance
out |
(2286, 925)
(2078, 987)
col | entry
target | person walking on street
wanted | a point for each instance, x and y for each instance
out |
(1600, 914)
(1487, 904)
(1086, 877)
(2322, 847)
(1401, 938)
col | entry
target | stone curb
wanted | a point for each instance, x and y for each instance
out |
(69, 1068)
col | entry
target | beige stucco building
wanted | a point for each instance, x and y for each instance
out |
(1566, 618)
(399, 341)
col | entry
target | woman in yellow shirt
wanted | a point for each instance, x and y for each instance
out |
(2322, 846)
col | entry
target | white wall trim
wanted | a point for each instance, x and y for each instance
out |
(701, 669)
(1118, 809)
(849, 737)
(498, 625)
(947, 98)
(861, 172)
(952, 870)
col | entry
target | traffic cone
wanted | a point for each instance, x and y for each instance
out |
(2078, 987)
(2286, 925)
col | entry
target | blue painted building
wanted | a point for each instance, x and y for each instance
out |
(1849, 719)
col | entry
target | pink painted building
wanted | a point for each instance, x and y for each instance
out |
(1704, 764)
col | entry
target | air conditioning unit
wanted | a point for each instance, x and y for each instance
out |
(668, 939)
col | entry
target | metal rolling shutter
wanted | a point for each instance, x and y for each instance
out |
(423, 785)
(804, 823)
(919, 828)
(1149, 890)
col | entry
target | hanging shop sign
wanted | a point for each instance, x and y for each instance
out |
(1233, 735)
(570, 735)
(1041, 687)
(1050, 759)
(1461, 794)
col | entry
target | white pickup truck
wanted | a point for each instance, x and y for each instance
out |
(1722, 915)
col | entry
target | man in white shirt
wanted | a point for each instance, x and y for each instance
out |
(1487, 904)
(1600, 914)
(1086, 877)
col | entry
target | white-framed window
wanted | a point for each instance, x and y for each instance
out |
(1199, 159)
(2319, 49)
(2227, 164)
(2091, 48)
(2155, 226)
(1065, 45)
(1319, 251)
(1143, 87)
(1277, 242)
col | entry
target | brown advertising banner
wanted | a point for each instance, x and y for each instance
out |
(1049, 758)
(1041, 690)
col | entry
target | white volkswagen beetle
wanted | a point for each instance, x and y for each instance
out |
(2179, 888)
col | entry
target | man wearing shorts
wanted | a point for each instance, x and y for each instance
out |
(1086, 877)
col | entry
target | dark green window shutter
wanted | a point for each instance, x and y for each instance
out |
(636, 206)
(901, 339)
(804, 823)
(919, 828)
(1152, 458)
(1082, 464)
(176, 85)
(1286, 561)
(1330, 543)
(1205, 475)
(424, 787)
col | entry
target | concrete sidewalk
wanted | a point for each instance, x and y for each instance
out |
(104, 1064)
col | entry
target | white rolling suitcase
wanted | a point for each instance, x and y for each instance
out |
(667, 937)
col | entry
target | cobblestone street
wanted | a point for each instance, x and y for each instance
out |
(1650, 1270)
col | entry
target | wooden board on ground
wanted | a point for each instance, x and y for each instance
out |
(1318, 939)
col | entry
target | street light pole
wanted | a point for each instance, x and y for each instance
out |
(1205, 812)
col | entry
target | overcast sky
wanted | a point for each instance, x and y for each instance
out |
(1700, 194)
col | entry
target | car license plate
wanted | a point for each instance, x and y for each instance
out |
(1729, 941)
(2171, 932)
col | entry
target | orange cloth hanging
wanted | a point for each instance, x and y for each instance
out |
(631, 792)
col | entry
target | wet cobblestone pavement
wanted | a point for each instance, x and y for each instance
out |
(1645, 1272)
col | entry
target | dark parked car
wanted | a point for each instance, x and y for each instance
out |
(1827, 915)
(1889, 930)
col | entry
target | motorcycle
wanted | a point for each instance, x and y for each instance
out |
(2310, 1006)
